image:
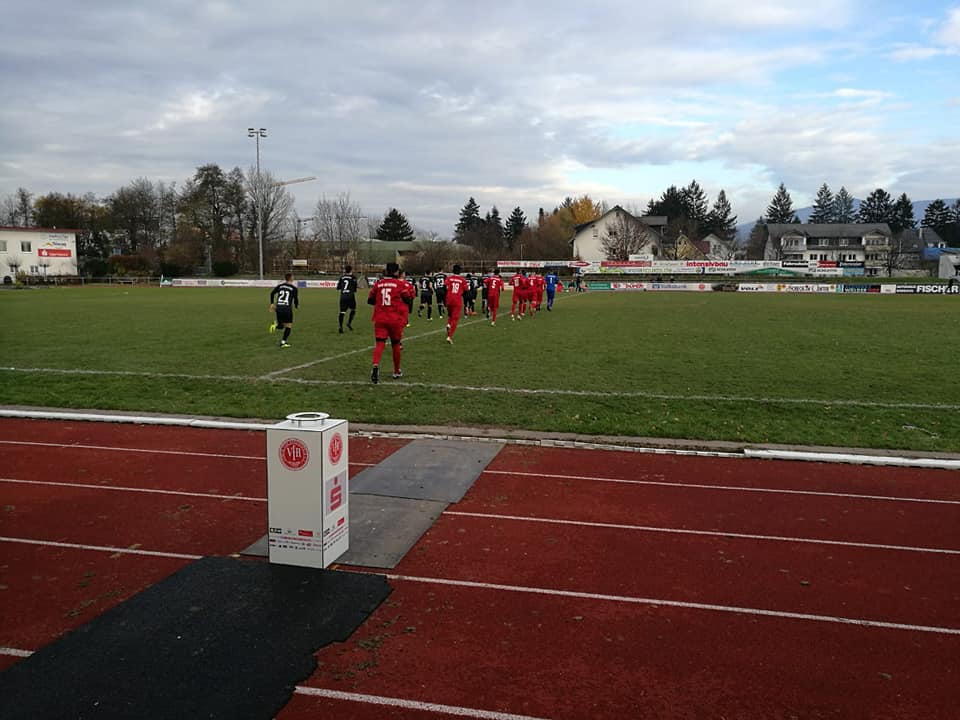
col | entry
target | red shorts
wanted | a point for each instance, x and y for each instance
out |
(392, 330)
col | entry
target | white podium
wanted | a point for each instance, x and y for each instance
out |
(307, 494)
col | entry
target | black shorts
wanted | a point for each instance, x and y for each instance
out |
(426, 298)
(441, 297)
(348, 302)
(284, 315)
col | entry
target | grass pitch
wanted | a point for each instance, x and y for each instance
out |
(842, 370)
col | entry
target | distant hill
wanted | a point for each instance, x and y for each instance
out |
(919, 209)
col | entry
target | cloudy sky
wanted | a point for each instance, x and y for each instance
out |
(420, 105)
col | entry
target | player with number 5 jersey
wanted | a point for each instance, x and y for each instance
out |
(389, 297)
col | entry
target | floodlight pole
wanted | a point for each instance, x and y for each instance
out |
(258, 133)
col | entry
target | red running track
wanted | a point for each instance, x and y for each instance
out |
(566, 584)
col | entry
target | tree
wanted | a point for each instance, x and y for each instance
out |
(624, 237)
(877, 208)
(395, 227)
(719, 221)
(893, 258)
(780, 209)
(695, 203)
(937, 215)
(583, 209)
(204, 208)
(516, 224)
(134, 209)
(901, 217)
(757, 242)
(824, 209)
(87, 215)
(469, 220)
(338, 224)
(843, 207)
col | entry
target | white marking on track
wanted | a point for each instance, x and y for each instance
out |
(103, 548)
(186, 453)
(123, 488)
(15, 652)
(732, 488)
(708, 533)
(678, 604)
(454, 710)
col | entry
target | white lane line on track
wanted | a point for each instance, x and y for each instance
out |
(548, 592)
(123, 488)
(186, 453)
(455, 710)
(708, 533)
(637, 394)
(733, 488)
(593, 478)
(493, 516)
(678, 604)
(103, 548)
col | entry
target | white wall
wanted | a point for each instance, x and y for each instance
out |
(38, 251)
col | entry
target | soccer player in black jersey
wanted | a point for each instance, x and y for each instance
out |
(440, 287)
(426, 296)
(283, 299)
(347, 287)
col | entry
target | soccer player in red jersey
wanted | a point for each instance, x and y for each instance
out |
(493, 284)
(516, 281)
(537, 284)
(389, 297)
(455, 285)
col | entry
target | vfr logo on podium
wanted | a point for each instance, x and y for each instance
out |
(336, 448)
(294, 454)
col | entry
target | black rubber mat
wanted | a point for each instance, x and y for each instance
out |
(222, 638)
(441, 470)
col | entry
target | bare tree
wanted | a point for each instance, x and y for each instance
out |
(340, 225)
(627, 236)
(893, 256)
(271, 205)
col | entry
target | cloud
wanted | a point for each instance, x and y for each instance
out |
(949, 32)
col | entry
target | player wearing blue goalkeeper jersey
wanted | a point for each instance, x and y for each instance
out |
(550, 280)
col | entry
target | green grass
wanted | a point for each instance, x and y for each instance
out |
(825, 370)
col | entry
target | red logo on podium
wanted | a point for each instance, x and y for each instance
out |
(336, 448)
(294, 454)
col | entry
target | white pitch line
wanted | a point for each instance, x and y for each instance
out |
(454, 710)
(732, 488)
(708, 533)
(369, 348)
(123, 488)
(638, 394)
(103, 548)
(678, 604)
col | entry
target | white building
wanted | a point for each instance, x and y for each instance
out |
(41, 252)
(588, 237)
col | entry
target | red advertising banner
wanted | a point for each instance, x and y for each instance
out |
(53, 252)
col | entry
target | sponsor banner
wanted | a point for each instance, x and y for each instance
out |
(53, 252)
(226, 282)
(805, 288)
(596, 286)
(298, 263)
(795, 263)
(928, 289)
(626, 263)
(860, 288)
(888, 289)
(754, 287)
(628, 286)
(853, 271)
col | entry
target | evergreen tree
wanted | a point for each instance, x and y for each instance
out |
(469, 220)
(719, 221)
(877, 208)
(937, 215)
(843, 207)
(395, 227)
(493, 227)
(780, 209)
(515, 225)
(695, 202)
(823, 206)
(902, 216)
(671, 204)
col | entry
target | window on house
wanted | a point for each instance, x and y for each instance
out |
(3, 245)
(26, 246)
(596, 231)
(34, 270)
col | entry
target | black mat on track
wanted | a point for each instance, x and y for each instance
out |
(222, 638)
